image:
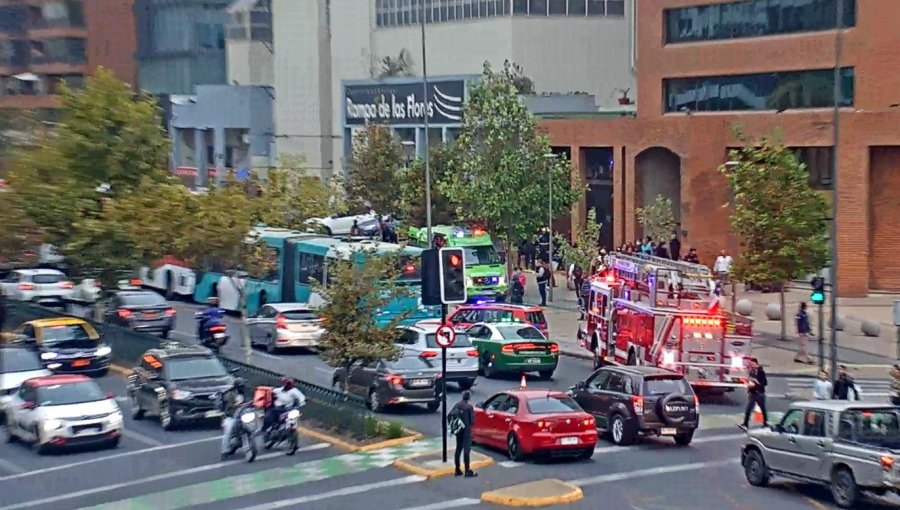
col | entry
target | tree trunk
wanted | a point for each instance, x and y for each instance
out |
(783, 313)
(245, 331)
(508, 259)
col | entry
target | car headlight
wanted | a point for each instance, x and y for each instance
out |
(115, 417)
(180, 395)
(293, 414)
(103, 350)
(48, 355)
(248, 418)
(52, 425)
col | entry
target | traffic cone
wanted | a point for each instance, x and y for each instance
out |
(757, 415)
(522, 385)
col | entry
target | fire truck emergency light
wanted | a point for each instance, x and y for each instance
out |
(702, 321)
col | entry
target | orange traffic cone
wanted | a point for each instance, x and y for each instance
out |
(757, 415)
(522, 385)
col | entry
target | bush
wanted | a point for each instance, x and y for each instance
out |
(372, 427)
(394, 430)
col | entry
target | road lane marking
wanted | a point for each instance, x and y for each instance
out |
(455, 503)
(9, 466)
(346, 491)
(141, 438)
(511, 464)
(108, 457)
(154, 478)
(643, 473)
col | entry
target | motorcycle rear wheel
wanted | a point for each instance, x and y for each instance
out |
(292, 443)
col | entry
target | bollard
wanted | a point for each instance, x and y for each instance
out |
(773, 312)
(744, 307)
(870, 328)
(836, 323)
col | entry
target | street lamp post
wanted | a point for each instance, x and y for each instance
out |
(836, 125)
(425, 116)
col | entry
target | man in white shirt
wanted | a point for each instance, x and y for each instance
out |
(722, 268)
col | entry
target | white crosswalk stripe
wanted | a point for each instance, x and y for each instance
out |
(871, 388)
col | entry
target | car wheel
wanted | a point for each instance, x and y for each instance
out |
(270, 345)
(375, 402)
(137, 412)
(339, 385)
(844, 488)
(755, 469)
(166, 419)
(433, 406)
(488, 366)
(514, 448)
(165, 334)
(466, 384)
(546, 374)
(113, 444)
(684, 438)
(620, 432)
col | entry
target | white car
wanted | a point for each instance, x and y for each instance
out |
(42, 286)
(367, 223)
(462, 356)
(17, 365)
(63, 410)
(285, 325)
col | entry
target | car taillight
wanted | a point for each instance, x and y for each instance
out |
(429, 354)
(507, 348)
(217, 328)
(554, 348)
(26, 286)
(124, 313)
(638, 403)
(887, 462)
(170, 312)
(280, 322)
(97, 284)
(65, 285)
(519, 347)
(472, 352)
(543, 424)
(588, 422)
(135, 282)
(697, 403)
(396, 380)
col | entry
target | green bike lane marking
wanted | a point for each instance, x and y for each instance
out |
(270, 479)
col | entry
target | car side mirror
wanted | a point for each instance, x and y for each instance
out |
(479, 405)
(580, 385)
(778, 428)
(234, 370)
(110, 395)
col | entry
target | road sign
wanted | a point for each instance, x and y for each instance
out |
(445, 336)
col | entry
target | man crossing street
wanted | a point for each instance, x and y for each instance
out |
(462, 419)
(756, 394)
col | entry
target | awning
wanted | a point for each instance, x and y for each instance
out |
(27, 77)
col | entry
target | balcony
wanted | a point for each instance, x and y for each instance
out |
(58, 64)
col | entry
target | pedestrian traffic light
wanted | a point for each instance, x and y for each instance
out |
(453, 275)
(818, 292)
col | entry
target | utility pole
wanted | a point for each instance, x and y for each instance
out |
(425, 115)
(836, 125)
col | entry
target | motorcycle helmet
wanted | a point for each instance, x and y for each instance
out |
(213, 301)
(287, 383)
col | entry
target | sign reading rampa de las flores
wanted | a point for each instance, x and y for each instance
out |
(402, 103)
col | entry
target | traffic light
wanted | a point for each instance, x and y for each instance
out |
(818, 292)
(431, 279)
(453, 275)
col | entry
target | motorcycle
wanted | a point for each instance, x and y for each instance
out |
(285, 431)
(243, 433)
(213, 334)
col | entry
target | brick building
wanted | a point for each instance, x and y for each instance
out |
(44, 42)
(704, 66)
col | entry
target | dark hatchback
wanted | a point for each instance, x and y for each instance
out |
(408, 380)
(628, 401)
(141, 310)
(179, 385)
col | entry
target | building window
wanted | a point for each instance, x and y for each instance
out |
(520, 7)
(755, 18)
(762, 91)
(818, 162)
(577, 7)
(615, 7)
(596, 7)
(537, 7)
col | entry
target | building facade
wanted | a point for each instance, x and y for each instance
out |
(563, 45)
(180, 44)
(43, 43)
(248, 43)
(706, 66)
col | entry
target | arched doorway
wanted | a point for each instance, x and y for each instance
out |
(658, 172)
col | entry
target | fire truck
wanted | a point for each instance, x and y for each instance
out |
(646, 310)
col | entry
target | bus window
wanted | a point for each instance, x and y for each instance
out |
(312, 268)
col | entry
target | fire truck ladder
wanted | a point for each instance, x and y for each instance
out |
(686, 268)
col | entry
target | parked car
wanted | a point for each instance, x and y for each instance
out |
(63, 410)
(17, 365)
(462, 356)
(408, 380)
(342, 225)
(466, 316)
(42, 286)
(179, 384)
(65, 345)
(512, 347)
(848, 446)
(283, 325)
(141, 310)
(632, 401)
(530, 422)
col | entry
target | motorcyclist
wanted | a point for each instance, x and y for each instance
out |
(212, 314)
(229, 403)
(287, 395)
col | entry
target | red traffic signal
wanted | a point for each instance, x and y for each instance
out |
(455, 260)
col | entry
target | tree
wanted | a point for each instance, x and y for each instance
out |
(657, 218)
(780, 220)
(500, 172)
(515, 74)
(356, 291)
(412, 190)
(19, 236)
(401, 65)
(583, 250)
(290, 196)
(374, 175)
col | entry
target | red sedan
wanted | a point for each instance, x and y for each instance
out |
(533, 422)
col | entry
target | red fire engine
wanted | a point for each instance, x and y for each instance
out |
(646, 310)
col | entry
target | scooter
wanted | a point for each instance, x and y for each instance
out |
(285, 431)
(243, 432)
(213, 335)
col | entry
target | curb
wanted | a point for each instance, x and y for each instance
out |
(350, 447)
(406, 464)
(576, 354)
(116, 369)
(498, 497)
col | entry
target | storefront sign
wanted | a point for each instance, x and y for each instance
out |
(402, 103)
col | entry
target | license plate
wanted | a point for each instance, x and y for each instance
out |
(668, 432)
(149, 315)
(81, 363)
(568, 441)
(213, 414)
(418, 383)
(533, 361)
(219, 335)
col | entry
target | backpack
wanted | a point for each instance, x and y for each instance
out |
(454, 421)
(263, 396)
(517, 286)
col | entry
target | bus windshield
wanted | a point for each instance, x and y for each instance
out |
(479, 255)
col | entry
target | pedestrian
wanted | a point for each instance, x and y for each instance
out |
(461, 419)
(517, 286)
(661, 250)
(756, 393)
(675, 247)
(822, 387)
(692, 256)
(577, 280)
(543, 278)
(803, 332)
(529, 249)
(843, 385)
(354, 230)
(722, 268)
(648, 248)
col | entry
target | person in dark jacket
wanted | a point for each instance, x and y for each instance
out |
(756, 394)
(675, 247)
(804, 334)
(843, 385)
(466, 413)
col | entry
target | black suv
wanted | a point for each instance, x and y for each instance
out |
(628, 401)
(179, 384)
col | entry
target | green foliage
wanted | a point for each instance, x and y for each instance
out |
(18, 234)
(499, 170)
(374, 174)
(780, 219)
(394, 430)
(412, 190)
(583, 250)
(357, 290)
(290, 196)
(657, 218)
(515, 74)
